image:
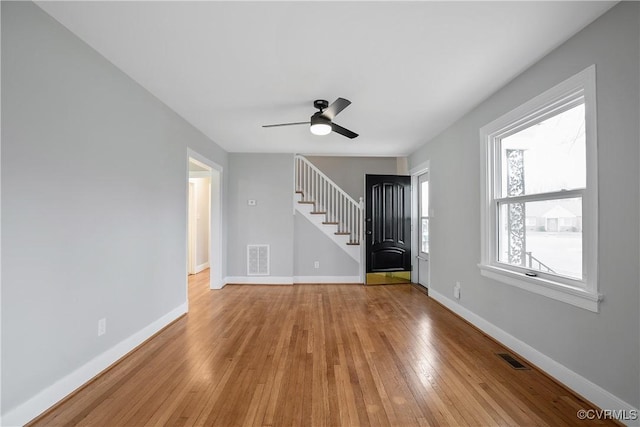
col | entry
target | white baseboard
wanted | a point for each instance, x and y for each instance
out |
(259, 280)
(48, 397)
(285, 280)
(201, 267)
(592, 392)
(327, 279)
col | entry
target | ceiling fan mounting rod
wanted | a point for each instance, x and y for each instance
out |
(321, 104)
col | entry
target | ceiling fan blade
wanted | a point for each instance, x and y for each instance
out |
(342, 131)
(285, 124)
(335, 108)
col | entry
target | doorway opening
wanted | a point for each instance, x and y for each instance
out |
(204, 219)
(199, 217)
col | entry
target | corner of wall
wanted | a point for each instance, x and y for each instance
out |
(402, 165)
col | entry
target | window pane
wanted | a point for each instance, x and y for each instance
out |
(424, 228)
(424, 198)
(544, 236)
(548, 156)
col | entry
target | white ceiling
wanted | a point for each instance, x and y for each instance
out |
(410, 68)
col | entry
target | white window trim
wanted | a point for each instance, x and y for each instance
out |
(583, 293)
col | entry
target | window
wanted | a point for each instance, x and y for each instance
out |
(423, 195)
(539, 213)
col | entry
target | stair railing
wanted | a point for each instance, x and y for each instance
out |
(339, 208)
(531, 260)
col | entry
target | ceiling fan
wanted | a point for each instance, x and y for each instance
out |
(322, 121)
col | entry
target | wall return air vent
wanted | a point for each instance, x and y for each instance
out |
(257, 260)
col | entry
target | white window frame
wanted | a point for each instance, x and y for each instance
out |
(581, 293)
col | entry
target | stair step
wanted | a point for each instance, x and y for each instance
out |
(340, 212)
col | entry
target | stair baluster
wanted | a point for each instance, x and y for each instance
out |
(338, 207)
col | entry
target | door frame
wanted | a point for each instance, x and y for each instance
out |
(191, 224)
(216, 254)
(415, 172)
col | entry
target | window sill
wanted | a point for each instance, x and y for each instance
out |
(548, 288)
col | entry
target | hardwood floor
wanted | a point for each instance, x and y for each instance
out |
(317, 355)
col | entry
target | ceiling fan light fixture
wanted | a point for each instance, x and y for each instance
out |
(320, 129)
(320, 126)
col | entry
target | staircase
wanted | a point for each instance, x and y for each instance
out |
(327, 206)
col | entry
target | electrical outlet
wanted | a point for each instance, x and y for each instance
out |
(102, 326)
(316, 264)
(456, 291)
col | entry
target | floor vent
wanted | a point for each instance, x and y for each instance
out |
(515, 363)
(257, 260)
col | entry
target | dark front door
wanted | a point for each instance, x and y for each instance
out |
(388, 228)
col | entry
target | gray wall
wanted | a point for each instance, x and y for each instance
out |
(268, 179)
(602, 347)
(294, 242)
(94, 192)
(349, 172)
(312, 245)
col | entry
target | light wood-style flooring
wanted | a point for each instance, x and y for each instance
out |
(317, 355)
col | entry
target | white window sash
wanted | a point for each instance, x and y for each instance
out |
(541, 197)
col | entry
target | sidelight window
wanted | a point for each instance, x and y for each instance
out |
(423, 200)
